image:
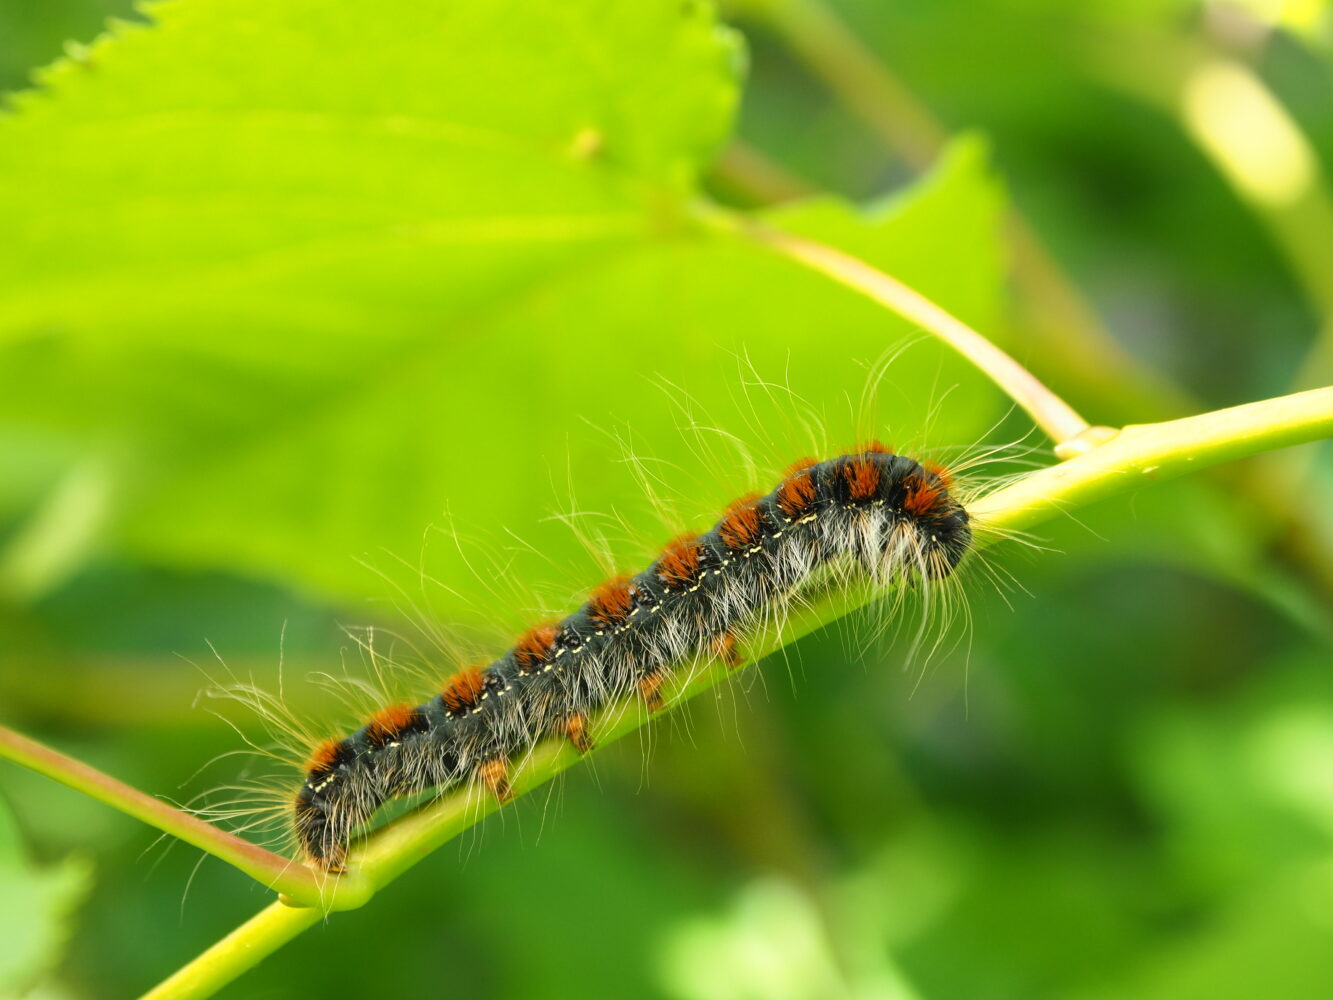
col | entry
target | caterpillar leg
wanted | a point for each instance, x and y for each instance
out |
(494, 774)
(650, 690)
(724, 648)
(576, 731)
(322, 841)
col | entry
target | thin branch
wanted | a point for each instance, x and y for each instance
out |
(1052, 414)
(849, 69)
(1134, 457)
(272, 870)
(1141, 454)
(241, 950)
(749, 173)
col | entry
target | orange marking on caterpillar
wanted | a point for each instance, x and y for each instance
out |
(939, 472)
(876, 448)
(920, 499)
(612, 602)
(390, 722)
(494, 774)
(534, 646)
(796, 495)
(862, 478)
(743, 525)
(324, 758)
(463, 689)
(678, 566)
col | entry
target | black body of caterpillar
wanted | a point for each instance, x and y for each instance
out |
(891, 515)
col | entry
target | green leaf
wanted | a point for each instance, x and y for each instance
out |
(35, 908)
(279, 149)
(35, 33)
(344, 280)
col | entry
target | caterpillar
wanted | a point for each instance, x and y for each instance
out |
(892, 516)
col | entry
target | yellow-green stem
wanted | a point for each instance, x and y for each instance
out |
(274, 871)
(1070, 432)
(242, 949)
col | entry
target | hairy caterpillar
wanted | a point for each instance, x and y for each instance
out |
(895, 518)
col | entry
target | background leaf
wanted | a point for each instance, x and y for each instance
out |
(39, 904)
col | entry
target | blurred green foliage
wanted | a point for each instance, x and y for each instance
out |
(34, 921)
(312, 316)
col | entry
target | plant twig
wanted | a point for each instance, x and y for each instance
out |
(1145, 453)
(242, 949)
(856, 75)
(272, 870)
(1070, 432)
(749, 173)
(1134, 457)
